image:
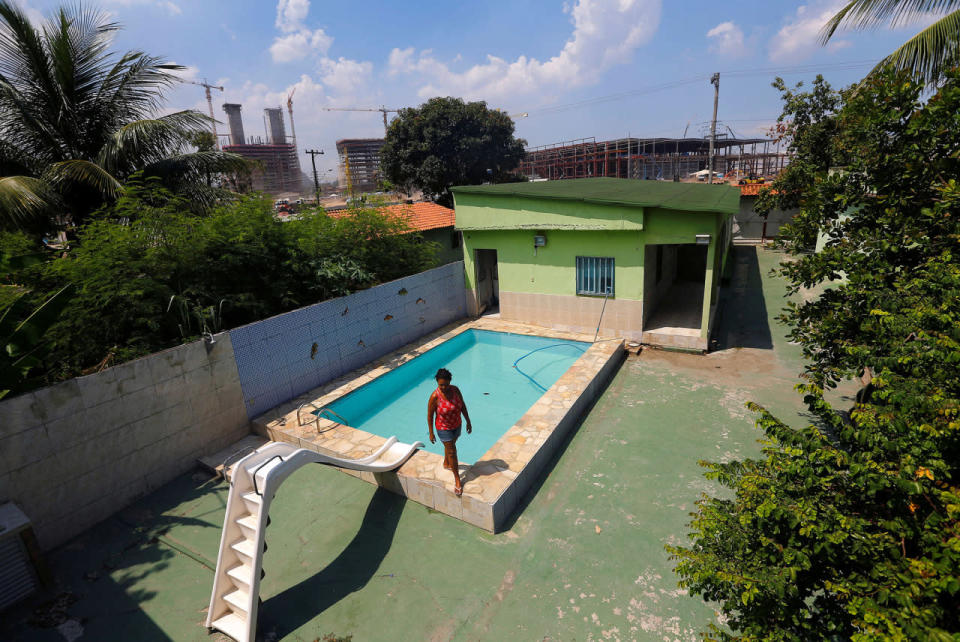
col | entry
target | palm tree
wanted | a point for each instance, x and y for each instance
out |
(928, 54)
(77, 120)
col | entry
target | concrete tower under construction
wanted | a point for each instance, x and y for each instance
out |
(277, 167)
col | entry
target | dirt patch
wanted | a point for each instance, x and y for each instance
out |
(724, 367)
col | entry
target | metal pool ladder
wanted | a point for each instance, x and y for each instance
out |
(316, 414)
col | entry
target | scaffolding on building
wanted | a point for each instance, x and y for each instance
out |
(360, 163)
(277, 165)
(653, 158)
(277, 168)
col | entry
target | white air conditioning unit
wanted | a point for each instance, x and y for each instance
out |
(18, 578)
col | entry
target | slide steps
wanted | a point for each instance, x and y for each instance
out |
(235, 599)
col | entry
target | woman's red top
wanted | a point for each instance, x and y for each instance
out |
(448, 410)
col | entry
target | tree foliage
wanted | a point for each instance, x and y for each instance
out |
(77, 120)
(149, 273)
(446, 142)
(929, 54)
(850, 528)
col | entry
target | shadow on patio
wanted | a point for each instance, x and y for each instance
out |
(356, 565)
(743, 321)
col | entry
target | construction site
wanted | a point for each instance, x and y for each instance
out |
(277, 168)
(654, 158)
(360, 164)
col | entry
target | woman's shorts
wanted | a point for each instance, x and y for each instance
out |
(448, 435)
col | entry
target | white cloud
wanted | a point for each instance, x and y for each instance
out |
(300, 44)
(33, 15)
(291, 14)
(605, 33)
(800, 36)
(189, 72)
(344, 75)
(726, 39)
(300, 41)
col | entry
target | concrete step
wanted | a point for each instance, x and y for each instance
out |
(221, 463)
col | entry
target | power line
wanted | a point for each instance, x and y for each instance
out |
(738, 73)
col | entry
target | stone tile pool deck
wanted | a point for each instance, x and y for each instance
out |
(493, 485)
(582, 560)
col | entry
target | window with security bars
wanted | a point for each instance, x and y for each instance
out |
(594, 275)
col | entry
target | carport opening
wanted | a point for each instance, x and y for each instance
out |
(674, 278)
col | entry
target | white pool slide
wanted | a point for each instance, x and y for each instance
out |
(236, 583)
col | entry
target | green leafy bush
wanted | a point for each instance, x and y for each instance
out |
(150, 274)
(850, 528)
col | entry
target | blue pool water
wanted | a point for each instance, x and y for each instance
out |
(481, 361)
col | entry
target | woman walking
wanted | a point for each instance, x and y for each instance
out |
(446, 405)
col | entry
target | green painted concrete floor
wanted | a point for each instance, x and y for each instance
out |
(583, 558)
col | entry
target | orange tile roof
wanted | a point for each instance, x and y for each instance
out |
(752, 190)
(419, 216)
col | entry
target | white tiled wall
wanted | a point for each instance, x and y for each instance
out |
(286, 355)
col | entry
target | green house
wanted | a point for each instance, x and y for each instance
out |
(647, 254)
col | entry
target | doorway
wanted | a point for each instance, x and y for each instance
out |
(488, 282)
(674, 280)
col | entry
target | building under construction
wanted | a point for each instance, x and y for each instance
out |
(278, 166)
(653, 158)
(360, 164)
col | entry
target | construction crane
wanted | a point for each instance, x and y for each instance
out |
(213, 121)
(293, 131)
(383, 110)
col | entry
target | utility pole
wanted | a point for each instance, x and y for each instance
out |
(715, 81)
(313, 160)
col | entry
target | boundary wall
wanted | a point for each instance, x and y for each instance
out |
(74, 453)
(284, 356)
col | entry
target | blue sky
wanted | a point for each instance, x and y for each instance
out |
(534, 57)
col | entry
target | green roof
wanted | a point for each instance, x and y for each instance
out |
(690, 197)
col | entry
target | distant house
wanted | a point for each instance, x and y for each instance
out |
(434, 222)
(549, 253)
(750, 226)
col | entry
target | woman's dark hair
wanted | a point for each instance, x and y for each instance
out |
(443, 373)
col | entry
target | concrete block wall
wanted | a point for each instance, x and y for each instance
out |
(748, 225)
(76, 452)
(284, 356)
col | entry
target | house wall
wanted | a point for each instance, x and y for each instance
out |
(540, 287)
(444, 238)
(484, 212)
(74, 453)
(284, 356)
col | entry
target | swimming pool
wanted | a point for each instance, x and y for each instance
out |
(482, 363)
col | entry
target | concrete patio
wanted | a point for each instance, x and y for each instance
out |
(582, 557)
